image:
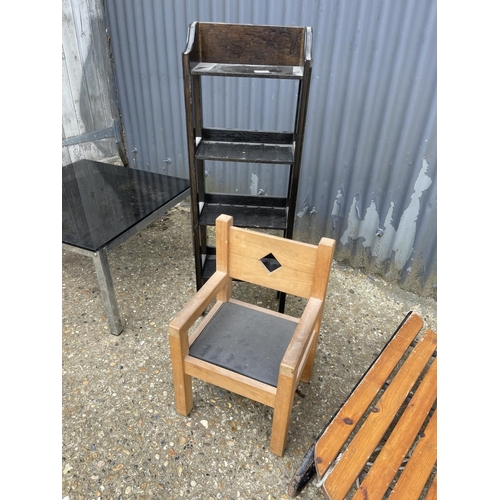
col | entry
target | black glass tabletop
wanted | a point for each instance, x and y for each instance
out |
(102, 201)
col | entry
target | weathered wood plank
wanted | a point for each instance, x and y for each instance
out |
(87, 104)
(251, 44)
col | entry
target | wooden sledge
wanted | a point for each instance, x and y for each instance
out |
(382, 443)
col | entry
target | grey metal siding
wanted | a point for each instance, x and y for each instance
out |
(368, 175)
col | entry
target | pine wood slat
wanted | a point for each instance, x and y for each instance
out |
(419, 467)
(331, 441)
(368, 436)
(383, 471)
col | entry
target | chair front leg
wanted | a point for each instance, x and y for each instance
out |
(183, 387)
(282, 411)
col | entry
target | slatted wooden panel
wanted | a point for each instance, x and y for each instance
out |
(390, 428)
(397, 446)
(330, 443)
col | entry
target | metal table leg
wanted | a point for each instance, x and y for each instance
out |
(107, 291)
(101, 265)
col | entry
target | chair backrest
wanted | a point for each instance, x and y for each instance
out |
(304, 268)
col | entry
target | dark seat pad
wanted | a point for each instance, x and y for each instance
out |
(245, 341)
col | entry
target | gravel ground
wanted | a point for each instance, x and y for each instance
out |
(122, 438)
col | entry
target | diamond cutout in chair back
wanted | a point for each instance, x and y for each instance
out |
(270, 262)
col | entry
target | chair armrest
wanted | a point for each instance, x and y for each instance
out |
(197, 304)
(300, 339)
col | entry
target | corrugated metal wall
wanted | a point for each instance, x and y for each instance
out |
(368, 174)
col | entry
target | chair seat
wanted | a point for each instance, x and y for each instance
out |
(246, 341)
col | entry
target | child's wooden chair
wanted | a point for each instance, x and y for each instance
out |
(252, 351)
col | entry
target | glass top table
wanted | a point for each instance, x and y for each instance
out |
(103, 205)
